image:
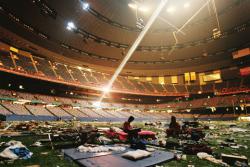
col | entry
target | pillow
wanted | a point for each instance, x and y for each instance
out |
(136, 155)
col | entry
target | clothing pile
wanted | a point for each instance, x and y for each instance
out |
(16, 150)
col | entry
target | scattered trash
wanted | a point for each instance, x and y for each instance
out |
(234, 129)
(240, 164)
(190, 166)
(231, 159)
(37, 144)
(203, 155)
(150, 149)
(16, 150)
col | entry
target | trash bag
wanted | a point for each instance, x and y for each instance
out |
(21, 152)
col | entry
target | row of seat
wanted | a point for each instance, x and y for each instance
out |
(70, 107)
(72, 74)
(217, 101)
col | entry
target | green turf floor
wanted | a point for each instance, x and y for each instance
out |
(46, 157)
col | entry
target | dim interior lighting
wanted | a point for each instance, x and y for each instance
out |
(171, 9)
(71, 26)
(96, 104)
(85, 6)
(21, 87)
(186, 5)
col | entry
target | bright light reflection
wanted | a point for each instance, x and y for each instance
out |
(132, 5)
(71, 26)
(106, 89)
(171, 9)
(96, 104)
(85, 6)
(136, 7)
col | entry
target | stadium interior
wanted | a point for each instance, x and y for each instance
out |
(75, 73)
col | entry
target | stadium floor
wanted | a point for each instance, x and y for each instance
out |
(44, 156)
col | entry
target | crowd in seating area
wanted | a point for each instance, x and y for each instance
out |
(47, 69)
(26, 104)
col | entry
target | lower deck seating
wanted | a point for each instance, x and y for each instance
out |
(38, 110)
(89, 112)
(4, 111)
(17, 109)
(83, 109)
(75, 112)
(103, 113)
(58, 112)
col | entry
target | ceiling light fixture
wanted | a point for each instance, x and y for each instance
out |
(71, 26)
(85, 6)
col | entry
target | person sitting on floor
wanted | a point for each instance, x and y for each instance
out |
(132, 132)
(174, 128)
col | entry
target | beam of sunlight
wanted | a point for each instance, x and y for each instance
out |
(134, 46)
